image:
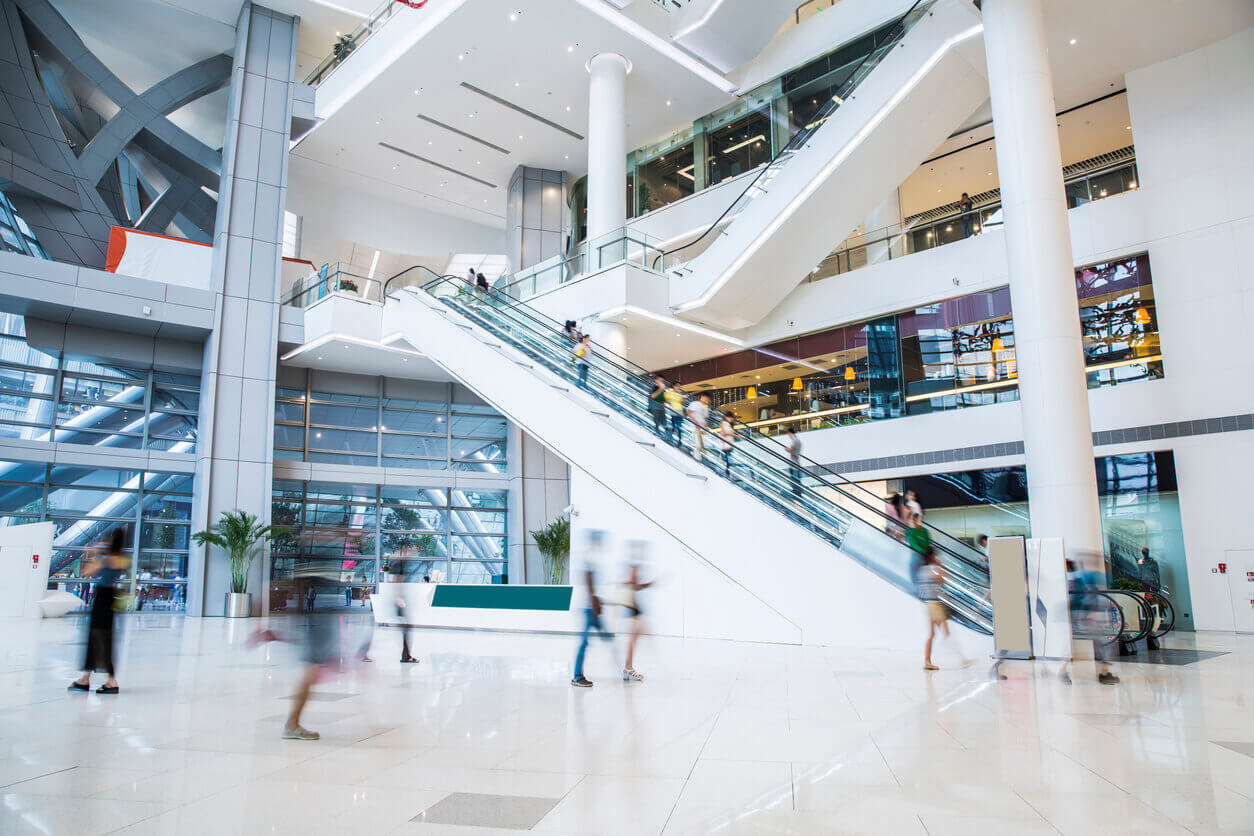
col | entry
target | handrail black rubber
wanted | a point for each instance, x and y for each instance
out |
(789, 146)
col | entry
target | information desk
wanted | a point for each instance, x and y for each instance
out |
(476, 606)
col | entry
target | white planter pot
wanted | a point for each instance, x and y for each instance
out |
(238, 605)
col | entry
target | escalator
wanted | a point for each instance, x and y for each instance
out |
(923, 77)
(822, 529)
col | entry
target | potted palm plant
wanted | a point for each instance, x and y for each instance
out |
(239, 534)
(553, 541)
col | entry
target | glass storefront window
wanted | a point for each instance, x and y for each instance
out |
(738, 147)
(87, 503)
(666, 179)
(351, 532)
(1140, 509)
(950, 354)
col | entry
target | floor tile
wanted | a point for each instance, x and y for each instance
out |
(514, 812)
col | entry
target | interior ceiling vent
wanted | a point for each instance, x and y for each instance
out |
(462, 133)
(791, 366)
(705, 385)
(449, 169)
(518, 109)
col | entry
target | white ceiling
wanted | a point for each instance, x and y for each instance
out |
(535, 61)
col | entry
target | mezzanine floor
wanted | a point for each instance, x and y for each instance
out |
(486, 735)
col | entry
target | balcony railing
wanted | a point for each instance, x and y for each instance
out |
(346, 44)
(901, 240)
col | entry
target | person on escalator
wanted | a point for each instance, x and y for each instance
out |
(895, 510)
(794, 461)
(726, 443)
(481, 282)
(675, 405)
(657, 404)
(699, 415)
(581, 355)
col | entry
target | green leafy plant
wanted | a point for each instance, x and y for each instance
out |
(553, 541)
(343, 48)
(348, 285)
(239, 534)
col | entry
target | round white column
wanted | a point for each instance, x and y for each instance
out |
(1053, 396)
(887, 214)
(607, 143)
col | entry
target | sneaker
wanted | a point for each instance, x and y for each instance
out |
(299, 733)
(1107, 678)
(581, 682)
(630, 675)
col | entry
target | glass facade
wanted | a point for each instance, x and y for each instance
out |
(15, 235)
(736, 139)
(46, 397)
(1140, 508)
(946, 355)
(87, 502)
(352, 535)
(378, 429)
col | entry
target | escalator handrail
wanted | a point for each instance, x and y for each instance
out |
(557, 338)
(1147, 617)
(789, 146)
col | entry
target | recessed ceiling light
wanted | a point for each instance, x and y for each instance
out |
(938, 190)
(429, 142)
(990, 174)
(477, 162)
(461, 56)
(520, 136)
(470, 116)
(516, 83)
(404, 359)
(378, 121)
(568, 108)
(513, 17)
(1073, 41)
(570, 49)
(1127, 127)
(668, 102)
(416, 92)
(567, 156)
(319, 358)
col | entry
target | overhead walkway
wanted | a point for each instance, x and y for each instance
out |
(895, 107)
(808, 544)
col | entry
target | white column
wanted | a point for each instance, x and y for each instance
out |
(607, 143)
(887, 214)
(611, 336)
(1062, 487)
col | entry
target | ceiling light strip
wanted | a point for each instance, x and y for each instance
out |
(462, 133)
(668, 320)
(517, 109)
(806, 416)
(699, 22)
(658, 44)
(437, 165)
(344, 338)
(834, 163)
(739, 145)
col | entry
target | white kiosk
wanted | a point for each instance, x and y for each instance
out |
(25, 553)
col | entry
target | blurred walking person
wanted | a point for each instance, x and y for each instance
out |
(726, 443)
(699, 415)
(637, 552)
(657, 405)
(675, 404)
(108, 568)
(895, 510)
(321, 650)
(1091, 615)
(589, 565)
(580, 355)
(929, 578)
(794, 461)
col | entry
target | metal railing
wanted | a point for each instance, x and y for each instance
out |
(900, 240)
(346, 44)
(807, 492)
(760, 184)
(622, 246)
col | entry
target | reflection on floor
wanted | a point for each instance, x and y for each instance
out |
(486, 734)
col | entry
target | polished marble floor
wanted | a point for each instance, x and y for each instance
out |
(486, 736)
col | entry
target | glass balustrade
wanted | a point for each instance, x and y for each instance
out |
(842, 90)
(843, 513)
